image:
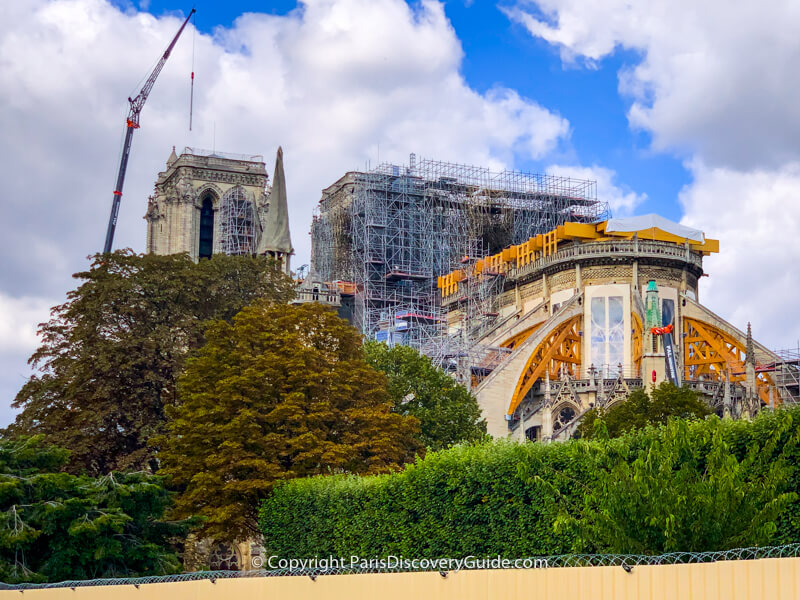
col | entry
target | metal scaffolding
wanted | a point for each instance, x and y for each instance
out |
(393, 230)
(237, 228)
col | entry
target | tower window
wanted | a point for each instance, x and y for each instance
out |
(206, 229)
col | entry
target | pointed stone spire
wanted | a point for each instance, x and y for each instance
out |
(172, 158)
(727, 404)
(276, 238)
(750, 354)
(750, 372)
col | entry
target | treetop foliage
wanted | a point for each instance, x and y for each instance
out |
(685, 490)
(55, 526)
(447, 411)
(640, 409)
(110, 356)
(282, 392)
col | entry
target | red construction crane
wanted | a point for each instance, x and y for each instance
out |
(131, 123)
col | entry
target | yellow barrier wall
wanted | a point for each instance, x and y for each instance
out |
(771, 578)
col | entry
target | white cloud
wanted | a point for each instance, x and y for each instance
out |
(716, 84)
(716, 78)
(756, 217)
(620, 198)
(19, 318)
(332, 82)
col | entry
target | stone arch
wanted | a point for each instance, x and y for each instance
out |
(533, 433)
(206, 190)
(206, 223)
(205, 245)
(559, 349)
(516, 339)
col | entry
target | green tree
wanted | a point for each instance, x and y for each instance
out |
(447, 411)
(111, 355)
(640, 410)
(55, 526)
(686, 490)
(283, 392)
(692, 485)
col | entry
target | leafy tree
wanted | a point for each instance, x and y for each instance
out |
(110, 355)
(283, 392)
(686, 490)
(640, 410)
(447, 411)
(55, 526)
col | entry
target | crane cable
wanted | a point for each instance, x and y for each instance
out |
(191, 92)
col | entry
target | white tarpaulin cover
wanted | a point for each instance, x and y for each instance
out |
(649, 221)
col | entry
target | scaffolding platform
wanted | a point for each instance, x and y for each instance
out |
(417, 317)
(421, 221)
(399, 276)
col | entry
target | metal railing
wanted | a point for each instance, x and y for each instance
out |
(630, 248)
(227, 155)
(633, 249)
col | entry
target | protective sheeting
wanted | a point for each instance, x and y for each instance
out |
(644, 222)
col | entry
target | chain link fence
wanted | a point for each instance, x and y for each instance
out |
(626, 561)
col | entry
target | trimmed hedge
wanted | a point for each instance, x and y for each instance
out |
(498, 497)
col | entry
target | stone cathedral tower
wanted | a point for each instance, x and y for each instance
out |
(209, 202)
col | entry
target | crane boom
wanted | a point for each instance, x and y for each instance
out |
(665, 331)
(131, 123)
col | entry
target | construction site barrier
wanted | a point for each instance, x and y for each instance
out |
(752, 573)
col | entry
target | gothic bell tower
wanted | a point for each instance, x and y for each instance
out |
(208, 202)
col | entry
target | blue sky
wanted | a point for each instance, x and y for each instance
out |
(500, 52)
(671, 108)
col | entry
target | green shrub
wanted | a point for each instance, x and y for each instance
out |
(465, 500)
(705, 484)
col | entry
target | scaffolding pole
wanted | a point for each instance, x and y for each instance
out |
(238, 233)
(393, 230)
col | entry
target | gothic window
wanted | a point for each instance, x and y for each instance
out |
(616, 333)
(237, 225)
(563, 417)
(598, 332)
(206, 228)
(607, 337)
(224, 557)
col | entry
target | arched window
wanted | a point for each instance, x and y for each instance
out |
(563, 417)
(206, 228)
(224, 557)
(607, 336)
